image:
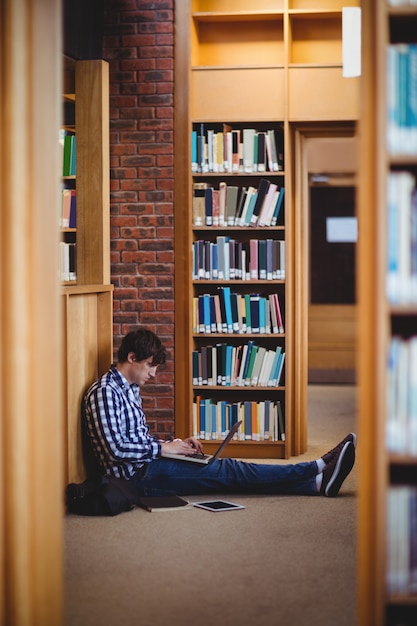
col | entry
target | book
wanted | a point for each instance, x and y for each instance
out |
(260, 198)
(164, 503)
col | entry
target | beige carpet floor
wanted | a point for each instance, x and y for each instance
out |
(284, 560)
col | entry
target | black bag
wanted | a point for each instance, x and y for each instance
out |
(105, 495)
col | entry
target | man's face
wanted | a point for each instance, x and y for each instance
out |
(142, 371)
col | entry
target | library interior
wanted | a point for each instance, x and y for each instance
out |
(233, 175)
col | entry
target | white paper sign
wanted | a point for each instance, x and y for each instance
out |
(341, 229)
(351, 41)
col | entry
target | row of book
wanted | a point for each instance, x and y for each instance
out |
(247, 365)
(402, 3)
(402, 98)
(401, 424)
(229, 259)
(231, 205)
(261, 421)
(235, 150)
(68, 143)
(231, 312)
(68, 213)
(401, 238)
(67, 261)
(401, 572)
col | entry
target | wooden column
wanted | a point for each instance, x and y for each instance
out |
(30, 326)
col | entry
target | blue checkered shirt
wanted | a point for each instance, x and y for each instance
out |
(116, 425)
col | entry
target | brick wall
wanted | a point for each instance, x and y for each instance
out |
(139, 45)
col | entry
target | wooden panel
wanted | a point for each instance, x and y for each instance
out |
(330, 5)
(332, 335)
(31, 433)
(243, 43)
(230, 5)
(93, 184)
(316, 40)
(88, 354)
(322, 94)
(245, 94)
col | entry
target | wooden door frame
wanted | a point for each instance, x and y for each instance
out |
(300, 134)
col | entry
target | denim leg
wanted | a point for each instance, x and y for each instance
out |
(169, 476)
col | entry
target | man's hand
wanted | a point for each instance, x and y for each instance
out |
(180, 446)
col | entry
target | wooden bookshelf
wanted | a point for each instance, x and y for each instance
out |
(387, 458)
(87, 303)
(252, 67)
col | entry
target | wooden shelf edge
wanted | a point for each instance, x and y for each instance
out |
(80, 289)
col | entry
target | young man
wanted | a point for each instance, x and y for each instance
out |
(120, 438)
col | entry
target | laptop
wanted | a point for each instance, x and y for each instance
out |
(197, 457)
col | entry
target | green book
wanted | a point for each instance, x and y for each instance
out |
(252, 357)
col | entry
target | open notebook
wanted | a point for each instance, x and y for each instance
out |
(207, 458)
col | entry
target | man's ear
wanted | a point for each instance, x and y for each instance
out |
(131, 358)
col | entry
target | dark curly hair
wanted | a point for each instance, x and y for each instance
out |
(144, 344)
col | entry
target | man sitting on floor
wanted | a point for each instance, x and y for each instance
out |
(121, 441)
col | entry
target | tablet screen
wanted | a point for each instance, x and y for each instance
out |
(218, 505)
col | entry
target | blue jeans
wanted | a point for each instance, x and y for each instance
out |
(169, 476)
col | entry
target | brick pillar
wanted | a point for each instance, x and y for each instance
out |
(139, 45)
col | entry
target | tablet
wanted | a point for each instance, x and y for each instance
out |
(218, 505)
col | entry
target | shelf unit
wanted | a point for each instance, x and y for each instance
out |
(248, 67)
(387, 322)
(87, 304)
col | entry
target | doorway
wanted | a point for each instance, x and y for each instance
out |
(328, 173)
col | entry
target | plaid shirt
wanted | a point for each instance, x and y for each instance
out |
(116, 425)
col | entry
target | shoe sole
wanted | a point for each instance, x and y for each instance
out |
(342, 469)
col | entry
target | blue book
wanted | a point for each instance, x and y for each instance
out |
(280, 368)
(274, 368)
(213, 411)
(251, 208)
(246, 363)
(223, 413)
(247, 419)
(229, 350)
(278, 206)
(235, 313)
(262, 315)
(194, 160)
(207, 321)
(202, 418)
(213, 322)
(225, 291)
(262, 259)
(248, 318)
(209, 206)
(200, 304)
(214, 261)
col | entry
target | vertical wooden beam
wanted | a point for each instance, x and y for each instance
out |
(30, 324)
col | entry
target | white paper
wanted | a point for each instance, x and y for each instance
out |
(351, 41)
(341, 229)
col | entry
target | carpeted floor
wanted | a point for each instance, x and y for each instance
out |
(285, 560)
